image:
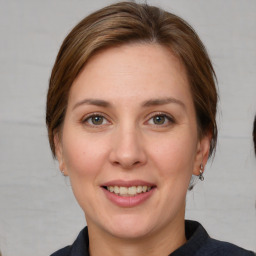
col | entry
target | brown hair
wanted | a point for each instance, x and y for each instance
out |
(129, 22)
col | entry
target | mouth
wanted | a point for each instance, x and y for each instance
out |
(128, 191)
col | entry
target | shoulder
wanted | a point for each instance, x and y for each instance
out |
(62, 252)
(215, 247)
(199, 243)
(80, 247)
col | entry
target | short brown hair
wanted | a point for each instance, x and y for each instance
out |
(129, 22)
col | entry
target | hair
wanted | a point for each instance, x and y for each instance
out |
(126, 23)
(254, 134)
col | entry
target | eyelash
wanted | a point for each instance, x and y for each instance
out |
(86, 119)
(169, 119)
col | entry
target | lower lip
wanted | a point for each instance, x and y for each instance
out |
(128, 201)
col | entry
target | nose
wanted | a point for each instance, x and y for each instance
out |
(127, 149)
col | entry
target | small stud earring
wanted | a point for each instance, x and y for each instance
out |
(201, 176)
(62, 172)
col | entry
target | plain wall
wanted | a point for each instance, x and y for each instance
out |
(38, 213)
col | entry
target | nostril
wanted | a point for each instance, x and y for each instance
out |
(126, 164)
(116, 163)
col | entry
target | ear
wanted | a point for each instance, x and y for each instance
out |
(203, 148)
(59, 153)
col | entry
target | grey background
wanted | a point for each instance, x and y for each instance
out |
(38, 213)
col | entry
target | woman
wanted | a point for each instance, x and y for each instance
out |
(131, 113)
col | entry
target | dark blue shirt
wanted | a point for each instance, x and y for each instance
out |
(198, 244)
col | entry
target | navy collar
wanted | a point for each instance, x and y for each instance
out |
(195, 234)
(198, 244)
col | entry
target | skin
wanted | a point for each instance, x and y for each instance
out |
(144, 128)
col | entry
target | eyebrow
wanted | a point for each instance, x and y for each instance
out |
(164, 101)
(148, 103)
(96, 102)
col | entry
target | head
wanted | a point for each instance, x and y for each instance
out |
(124, 69)
(125, 23)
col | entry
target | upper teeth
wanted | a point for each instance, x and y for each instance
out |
(131, 191)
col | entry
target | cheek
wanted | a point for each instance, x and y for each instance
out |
(83, 155)
(174, 155)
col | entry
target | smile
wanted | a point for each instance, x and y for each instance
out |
(128, 191)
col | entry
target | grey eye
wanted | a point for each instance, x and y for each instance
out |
(160, 119)
(97, 120)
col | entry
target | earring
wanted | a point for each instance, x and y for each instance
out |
(201, 176)
(62, 172)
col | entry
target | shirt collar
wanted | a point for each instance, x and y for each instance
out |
(195, 234)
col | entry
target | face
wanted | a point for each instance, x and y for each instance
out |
(129, 141)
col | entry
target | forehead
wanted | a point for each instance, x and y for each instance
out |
(130, 71)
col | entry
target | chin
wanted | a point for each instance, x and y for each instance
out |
(130, 228)
(131, 233)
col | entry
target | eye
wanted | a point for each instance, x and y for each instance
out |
(95, 120)
(161, 120)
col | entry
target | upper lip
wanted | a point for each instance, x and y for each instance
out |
(127, 183)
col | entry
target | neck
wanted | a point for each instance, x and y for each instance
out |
(162, 242)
